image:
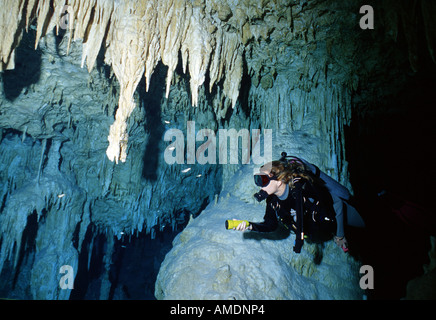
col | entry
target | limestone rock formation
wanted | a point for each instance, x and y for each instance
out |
(59, 192)
(209, 262)
(211, 37)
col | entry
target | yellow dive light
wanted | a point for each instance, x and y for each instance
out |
(230, 224)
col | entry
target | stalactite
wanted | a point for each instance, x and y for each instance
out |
(126, 57)
(173, 29)
(43, 146)
(97, 31)
(24, 134)
(10, 34)
(197, 48)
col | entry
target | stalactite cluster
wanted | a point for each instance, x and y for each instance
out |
(135, 36)
(210, 36)
(53, 141)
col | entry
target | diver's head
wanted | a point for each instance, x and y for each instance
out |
(270, 180)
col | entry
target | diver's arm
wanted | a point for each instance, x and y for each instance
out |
(269, 223)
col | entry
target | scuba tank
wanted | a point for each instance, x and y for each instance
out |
(334, 187)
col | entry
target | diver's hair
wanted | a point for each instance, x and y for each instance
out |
(287, 171)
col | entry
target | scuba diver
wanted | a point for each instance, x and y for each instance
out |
(305, 200)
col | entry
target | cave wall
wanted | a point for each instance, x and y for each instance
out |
(209, 262)
(54, 137)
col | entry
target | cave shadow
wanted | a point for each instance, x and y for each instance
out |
(90, 265)
(59, 37)
(389, 152)
(28, 239)
(151, 102)
(244, 91)
(389, 149)
(396, 250)
(137, 263)
(242, 103)
(27, 67)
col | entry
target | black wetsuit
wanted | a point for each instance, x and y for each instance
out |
(303, 198)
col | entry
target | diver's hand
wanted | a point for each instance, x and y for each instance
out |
(342, 243)
(242, 226)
